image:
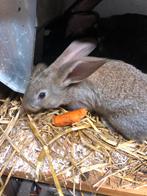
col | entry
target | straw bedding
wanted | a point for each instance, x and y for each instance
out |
(32, 148)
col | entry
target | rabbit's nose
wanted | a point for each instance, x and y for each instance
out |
(29, 106)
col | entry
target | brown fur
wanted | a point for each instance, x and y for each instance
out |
(115, 90)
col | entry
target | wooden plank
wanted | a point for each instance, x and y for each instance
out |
(88, 186)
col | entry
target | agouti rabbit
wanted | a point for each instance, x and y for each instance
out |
(78, 21)
(115, 90)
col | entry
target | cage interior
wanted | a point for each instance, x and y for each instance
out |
(86, 154)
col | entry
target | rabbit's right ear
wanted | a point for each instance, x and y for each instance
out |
(75, 50)
(76, 71)
(40, 67)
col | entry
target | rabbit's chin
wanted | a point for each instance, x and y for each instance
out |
(52, 106)
(32, 109)
(73, 106)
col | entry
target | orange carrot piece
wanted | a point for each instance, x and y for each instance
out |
(69, 118)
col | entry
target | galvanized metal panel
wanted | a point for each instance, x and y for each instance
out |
(17, 38)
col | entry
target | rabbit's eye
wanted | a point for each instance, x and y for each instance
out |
(41, 95)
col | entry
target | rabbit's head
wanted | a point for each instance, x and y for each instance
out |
(44, 91)
(47, 88)
(59, 86)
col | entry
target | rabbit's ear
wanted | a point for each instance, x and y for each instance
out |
(77, 71)
(38, 69)
(77, 49)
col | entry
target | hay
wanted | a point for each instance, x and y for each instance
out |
(32, 147)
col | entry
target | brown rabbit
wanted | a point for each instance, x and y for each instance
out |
(115, 90)
(75, 50)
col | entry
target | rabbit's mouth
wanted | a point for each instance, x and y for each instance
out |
(34, 109)
(31, 108)
(52, 106)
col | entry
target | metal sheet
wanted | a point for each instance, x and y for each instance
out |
(17, 38)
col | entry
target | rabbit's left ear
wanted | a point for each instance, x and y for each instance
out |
(77, 49)
(76, 71)
(40, 67)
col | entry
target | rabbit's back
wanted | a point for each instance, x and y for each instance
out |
(118, 83)
(122, 98)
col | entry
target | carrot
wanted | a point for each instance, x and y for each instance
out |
(69, 118)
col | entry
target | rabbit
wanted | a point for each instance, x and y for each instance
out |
(63, 34)
(78, 21)
(115, 90)
(121, 37)
(81, 18)
(75, 50)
